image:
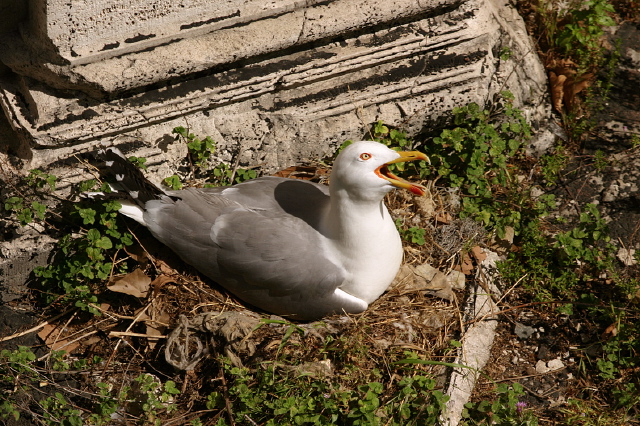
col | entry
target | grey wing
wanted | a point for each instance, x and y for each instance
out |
(280, 254)
(253, 253)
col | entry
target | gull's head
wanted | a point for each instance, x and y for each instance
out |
(362, 170)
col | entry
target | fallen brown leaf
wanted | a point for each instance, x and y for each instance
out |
(466, 267)
(572, 87)
(443, 218)
(50, 334)
(302, 172)
(135, 283)
(557, 89)
(478, 253)
(138, 253)
(610, 332)
(160, 281)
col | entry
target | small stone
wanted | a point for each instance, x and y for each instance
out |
(555, 364)
(456, 279)
(523, 331)
(627, 256)
(541, 367)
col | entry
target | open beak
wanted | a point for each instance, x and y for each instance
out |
(383, 171)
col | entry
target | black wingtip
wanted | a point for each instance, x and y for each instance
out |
(127, 176)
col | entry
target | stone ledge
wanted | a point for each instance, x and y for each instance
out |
(140, 61)
(279, 108)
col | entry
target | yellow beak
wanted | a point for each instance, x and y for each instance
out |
(383, 171)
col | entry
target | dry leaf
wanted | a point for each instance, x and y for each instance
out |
(153, 331)
(478, 253)
(466, 267)
(444, 218)
(557, 89)
(137, 253)
(156, 320)
(160, 281)
(564, 67)
(164, 267)
(422, 278)
(50, 334)
(135, 283)
(572, 87)
(302, 172)
(610, 332)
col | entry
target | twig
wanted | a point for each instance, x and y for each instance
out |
(61, 329)
(131, 334)
(142, 312)
(246, 416)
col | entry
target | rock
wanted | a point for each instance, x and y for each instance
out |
(456, 280)
(543, 352)
(503, 245)
(627, 256)
(271, 82)
(523, 331)
(319, 369)
(555, 364)
(543, 367)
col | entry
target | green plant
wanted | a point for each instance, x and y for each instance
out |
(21, 374)
(412, 234)
(505, 53)
(58, 411)
(28, 208)
(588, 242)
(173, 182)
(554, 268)
(41, 180)
(223, 175)
(25, 213)
(152, 396)
(581, 36)
(552, 164)
(397, 140)
(506, 409)
(85, 260)
(140, 162)
(600, 161)
(265, 398)
(480, 156)
(200, 150)
(104, 406)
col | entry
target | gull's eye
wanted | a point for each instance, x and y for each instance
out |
(365, 156)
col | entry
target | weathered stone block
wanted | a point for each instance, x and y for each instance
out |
(272, 83)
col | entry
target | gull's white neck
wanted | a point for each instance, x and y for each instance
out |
(362, 232)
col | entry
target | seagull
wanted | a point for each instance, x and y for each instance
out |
(294, 248)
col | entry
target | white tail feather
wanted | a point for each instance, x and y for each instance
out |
(132, 210)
